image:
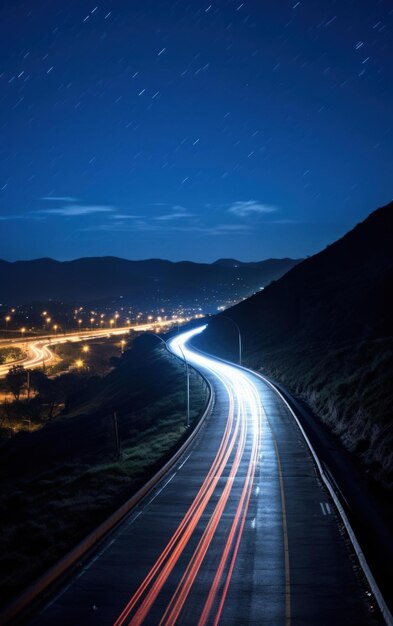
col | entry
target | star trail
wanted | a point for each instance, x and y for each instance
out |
(191, 130)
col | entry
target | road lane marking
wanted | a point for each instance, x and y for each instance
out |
(247, 491)
(326, 510)
(240, 388)
(286, 547)
(187, 525)
(185, 461)
(161, 488)
(174, 550)
(285, 528)
(180, 596)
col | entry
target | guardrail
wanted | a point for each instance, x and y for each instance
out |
(51, 576)
(383, 607)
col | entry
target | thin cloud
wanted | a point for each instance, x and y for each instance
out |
(125, 216)
(21, 216)
(6, 218)
(226, 229)
(250, 207)
(76, 210)
(121, 225)
(178, 212)
(145, 226)
(59, 199)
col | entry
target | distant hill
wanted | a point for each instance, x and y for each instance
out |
(152, 282)
(227, 262)
(325, 330)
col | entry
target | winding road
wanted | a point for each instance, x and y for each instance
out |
(240, 531)
(39, 353)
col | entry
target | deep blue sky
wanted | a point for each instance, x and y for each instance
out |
(189, 130)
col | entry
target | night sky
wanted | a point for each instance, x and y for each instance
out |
(189, 130)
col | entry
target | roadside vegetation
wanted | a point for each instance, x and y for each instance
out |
(348, 386)
(60, 481)
(324, 330)
(29, 399)
(93, 357)
(7, 355)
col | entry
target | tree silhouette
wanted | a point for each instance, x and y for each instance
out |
(15, 380)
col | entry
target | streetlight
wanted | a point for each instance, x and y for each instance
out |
(85, 349)
(188, 385)
(7, 319)
(239, 333)
(55, 327)
(123, 343)
(187, 371)
(91, 323)
(22, 331)
(79, 323)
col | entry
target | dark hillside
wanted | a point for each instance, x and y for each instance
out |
(325, 330)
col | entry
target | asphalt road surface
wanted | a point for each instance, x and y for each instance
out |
(240, 531)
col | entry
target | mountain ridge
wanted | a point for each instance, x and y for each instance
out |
(141, 282)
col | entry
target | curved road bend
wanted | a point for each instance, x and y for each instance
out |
(39, 352)
(241, 531)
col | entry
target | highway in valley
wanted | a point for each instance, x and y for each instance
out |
(38, 351)
(241, 530)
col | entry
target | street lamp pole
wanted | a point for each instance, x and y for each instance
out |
(28, 397)
(188, 384)
(187, 372)
(239, 333)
